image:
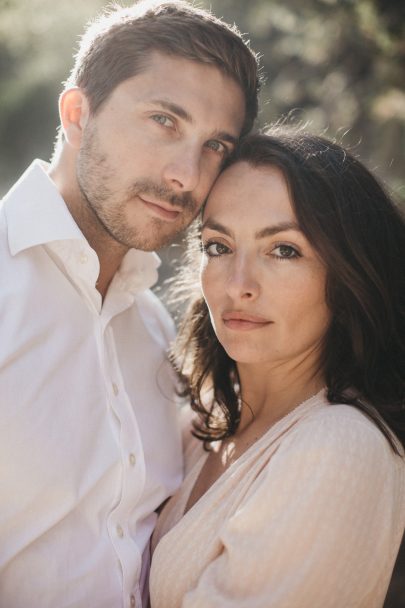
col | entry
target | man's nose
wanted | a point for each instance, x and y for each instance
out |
(183, 170)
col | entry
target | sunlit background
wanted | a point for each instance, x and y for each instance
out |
(337, 65)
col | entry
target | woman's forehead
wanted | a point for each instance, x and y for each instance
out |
(248, 190)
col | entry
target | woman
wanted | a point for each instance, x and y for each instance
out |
(294, 361)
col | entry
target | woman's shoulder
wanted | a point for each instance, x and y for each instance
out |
(339, 431)
(334, 449)
(341, 414)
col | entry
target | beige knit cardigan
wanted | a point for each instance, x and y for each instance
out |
(310, 516)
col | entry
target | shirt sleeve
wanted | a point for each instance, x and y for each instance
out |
(315, 529)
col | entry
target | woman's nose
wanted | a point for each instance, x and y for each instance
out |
(242, 281)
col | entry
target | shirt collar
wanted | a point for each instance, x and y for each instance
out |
(37, 215)
(138, 270)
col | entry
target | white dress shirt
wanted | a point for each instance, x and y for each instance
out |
(89, 440)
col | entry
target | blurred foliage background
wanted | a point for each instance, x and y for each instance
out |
(338, 65)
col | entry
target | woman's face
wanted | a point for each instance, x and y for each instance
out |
(263, 282)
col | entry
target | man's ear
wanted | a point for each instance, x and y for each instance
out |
(74, 113)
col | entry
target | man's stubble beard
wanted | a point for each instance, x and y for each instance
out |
(105, 217)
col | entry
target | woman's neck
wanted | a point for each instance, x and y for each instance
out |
(270, 394)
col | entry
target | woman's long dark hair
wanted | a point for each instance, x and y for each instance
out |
(359, 234)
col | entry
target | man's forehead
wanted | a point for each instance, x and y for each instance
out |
(195, 92)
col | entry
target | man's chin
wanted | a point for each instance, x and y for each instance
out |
(154, 244)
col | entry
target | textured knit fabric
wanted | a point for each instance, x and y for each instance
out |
(310, 516)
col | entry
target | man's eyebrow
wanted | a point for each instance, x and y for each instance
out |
(174, 108)
(179, 111)
(224, 136)
(268, 231)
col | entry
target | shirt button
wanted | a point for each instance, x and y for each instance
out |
(133, 601)
(120, 531)
(115, 389)
(132, 460)
(83, 258)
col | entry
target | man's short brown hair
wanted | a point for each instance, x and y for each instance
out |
(116, 46)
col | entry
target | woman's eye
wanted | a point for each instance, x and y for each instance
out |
(285, 252)
(163, 120)
(215, 249)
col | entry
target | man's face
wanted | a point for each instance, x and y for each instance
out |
(150, 155)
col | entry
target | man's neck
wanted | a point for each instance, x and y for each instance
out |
(109, 252)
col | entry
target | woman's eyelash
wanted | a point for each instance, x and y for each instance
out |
(280, 252)
(285, 252)
(209, 249)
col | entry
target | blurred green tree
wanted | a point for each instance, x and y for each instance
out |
(337, 65)
(37, 38)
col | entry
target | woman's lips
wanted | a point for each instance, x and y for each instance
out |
(162, 210)
(243, 321)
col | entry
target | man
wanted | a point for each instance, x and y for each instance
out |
(89, 446)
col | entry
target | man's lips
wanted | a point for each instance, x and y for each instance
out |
(161, 208)
(243, 321)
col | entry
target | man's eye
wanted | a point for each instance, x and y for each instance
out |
(215, 249)
(163, 120)
(216, 146)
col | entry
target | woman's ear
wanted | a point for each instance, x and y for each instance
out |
(74, 113)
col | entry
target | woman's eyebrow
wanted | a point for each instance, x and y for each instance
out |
(264, 232)
(212, 225)
(281, 227)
